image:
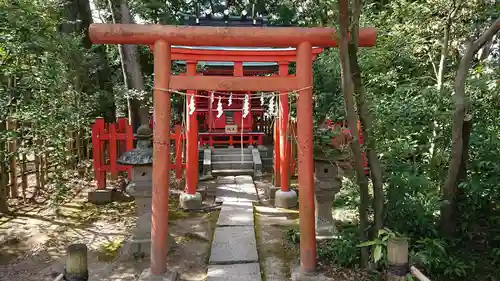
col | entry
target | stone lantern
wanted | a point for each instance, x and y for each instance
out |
(327, 184)
(141, 160)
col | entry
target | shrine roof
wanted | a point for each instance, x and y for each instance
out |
(225, 56)
(229, 63)
(253, 49)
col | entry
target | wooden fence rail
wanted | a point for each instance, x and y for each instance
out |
(27, 154)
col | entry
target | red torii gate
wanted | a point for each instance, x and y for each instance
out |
(162, 37)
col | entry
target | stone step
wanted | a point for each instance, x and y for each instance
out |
(231, 165)
(233, 245)
(231, 157)
(232, 172)
(225, 151)
(234, 272)
(236, 214)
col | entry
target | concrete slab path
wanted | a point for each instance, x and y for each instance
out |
(234, 255)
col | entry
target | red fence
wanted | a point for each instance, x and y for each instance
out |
(110, 140)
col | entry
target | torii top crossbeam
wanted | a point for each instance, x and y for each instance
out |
(221, 36)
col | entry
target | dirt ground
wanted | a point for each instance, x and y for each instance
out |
(34, 238)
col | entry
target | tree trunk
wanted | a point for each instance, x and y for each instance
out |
(448, 213)
(4, 205)
(108, 106)
(441, 71)
(348, 91)
(129, 55)
(366, 123)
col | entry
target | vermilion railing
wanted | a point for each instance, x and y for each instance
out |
(110, 140)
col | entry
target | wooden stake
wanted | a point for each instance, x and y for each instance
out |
(24, 176)
(76, 265)
(12, 126)
(38, 175)
(397, 257)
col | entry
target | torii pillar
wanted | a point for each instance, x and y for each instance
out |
(190, 198)
(284, 197)
(162, 37)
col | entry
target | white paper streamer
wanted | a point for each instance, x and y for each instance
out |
(246, 106)
(230, 100)
(219, 108)
(192, 106)
(261, 99)
(271, 106)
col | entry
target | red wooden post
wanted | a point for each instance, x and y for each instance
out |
(98, 153)
(178, 152)
(191, 138)
(306, 165)
(161, 159)
(276, 134)
(283, 136)
(113, 151)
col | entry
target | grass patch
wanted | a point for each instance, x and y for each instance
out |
(108, 251)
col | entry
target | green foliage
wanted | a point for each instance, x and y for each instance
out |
(48, 83)
(342, 250)
(379, 245)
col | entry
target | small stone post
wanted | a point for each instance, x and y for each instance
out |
(76, 265)
(397, 259)
(141, 160)
(327, 184)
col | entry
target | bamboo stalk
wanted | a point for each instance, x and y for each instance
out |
(76, 265)
(397, 257)
(415, 272)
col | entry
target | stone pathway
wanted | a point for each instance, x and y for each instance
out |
(234, 249)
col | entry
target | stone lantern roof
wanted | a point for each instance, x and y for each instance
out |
(142, 155)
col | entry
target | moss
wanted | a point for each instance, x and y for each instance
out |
(212, 223)
(260, 250)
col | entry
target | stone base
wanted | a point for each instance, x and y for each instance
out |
(100, 196)
(190, 201)
(299, 275)
(146, 275)
(270, 191)
(285, 199)
(141, 248)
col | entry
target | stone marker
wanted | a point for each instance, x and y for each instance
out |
(327, 184)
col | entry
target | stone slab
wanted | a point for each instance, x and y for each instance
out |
(236, 214)
(236, 192)
(100, 196)
(225, 180)
(298, 275)
(169, 276)
(234, 272)
(233, 245)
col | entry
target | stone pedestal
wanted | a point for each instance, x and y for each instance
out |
(327, 184)
(190, 201)
(285, 199)
(141, 188)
